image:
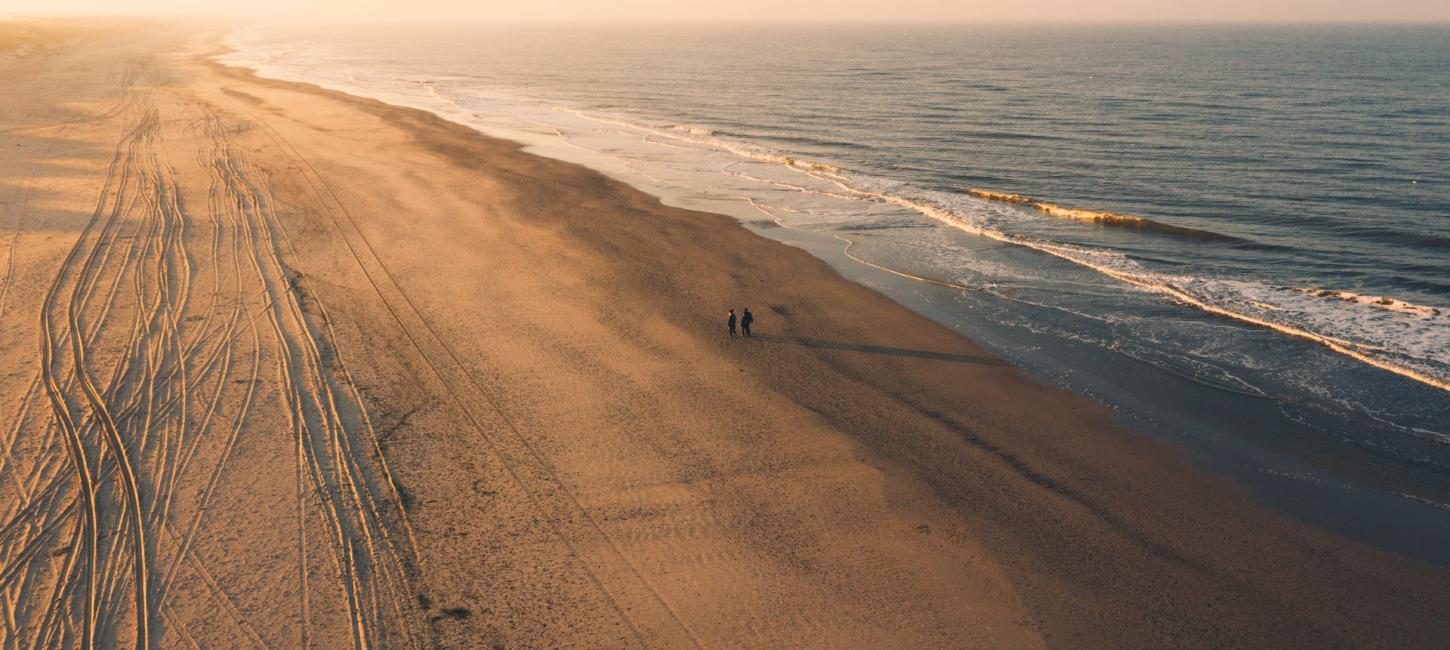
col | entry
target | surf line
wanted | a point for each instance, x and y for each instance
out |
(1347, 348)
(941, 283)
(847, 252)
(1344, 347)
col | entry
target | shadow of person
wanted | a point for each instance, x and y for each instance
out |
(879, 349)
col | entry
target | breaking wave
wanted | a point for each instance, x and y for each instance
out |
(1108, 219)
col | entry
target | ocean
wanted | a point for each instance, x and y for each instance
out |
(1238, 238)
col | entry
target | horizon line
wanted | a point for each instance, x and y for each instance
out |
(746, 22)
(1167, 22)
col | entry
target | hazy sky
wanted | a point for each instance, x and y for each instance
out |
(771, 10)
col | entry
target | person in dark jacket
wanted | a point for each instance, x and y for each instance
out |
(731, 323)
(745, 320)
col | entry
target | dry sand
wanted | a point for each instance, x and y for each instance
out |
(347, 375)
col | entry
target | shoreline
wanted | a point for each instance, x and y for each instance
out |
(858, 475)
(1407, 491)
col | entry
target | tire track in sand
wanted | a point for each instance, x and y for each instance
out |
(555, 502)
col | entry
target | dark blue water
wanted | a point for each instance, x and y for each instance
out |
(1278, 301)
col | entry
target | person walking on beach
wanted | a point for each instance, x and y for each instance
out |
(745, 320)
(731, 323)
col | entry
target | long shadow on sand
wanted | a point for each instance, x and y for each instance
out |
(877, 349)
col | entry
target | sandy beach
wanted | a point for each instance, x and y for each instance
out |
(282, 367)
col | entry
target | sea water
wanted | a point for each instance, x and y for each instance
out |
(1240, 236)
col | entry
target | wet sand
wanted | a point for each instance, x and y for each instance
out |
(349, 374)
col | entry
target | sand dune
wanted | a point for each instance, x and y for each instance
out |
(285, 368)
